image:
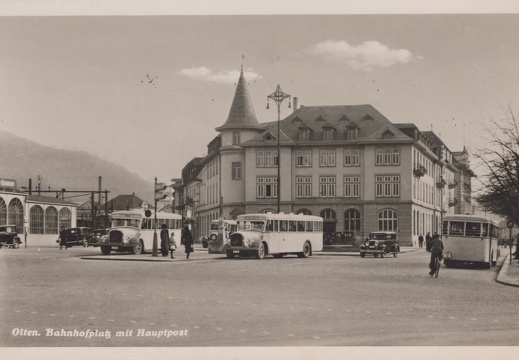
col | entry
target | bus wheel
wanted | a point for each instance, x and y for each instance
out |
(362, 255)
(260, 254)
(307, 250)
(106, 250)
(229, 254)
(139, 248)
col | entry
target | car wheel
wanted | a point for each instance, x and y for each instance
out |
(139, 248)
(260, 254)
(106, 250)
(375, 255)
(362, 255)
(229, 254)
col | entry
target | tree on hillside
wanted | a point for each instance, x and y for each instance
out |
(500, 159)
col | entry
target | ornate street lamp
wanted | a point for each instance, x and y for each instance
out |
(278, 96)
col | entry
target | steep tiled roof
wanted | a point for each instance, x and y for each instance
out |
(370, 123)
(124, 202)
(241, 115)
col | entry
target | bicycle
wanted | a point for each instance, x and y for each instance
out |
(436, 266)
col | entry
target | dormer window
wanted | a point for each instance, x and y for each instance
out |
(235, 138)
(388, 135)
(352, 133)
(328, 134)
(297, 119)
(344, 118)
(320, 119)
(368, 117)
(268, 137)
(304, 134)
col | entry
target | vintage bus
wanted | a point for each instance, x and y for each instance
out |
(276, 234)
(470, 239)
(133, 231)
(220, 235)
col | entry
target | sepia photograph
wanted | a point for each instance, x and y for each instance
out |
(255, 181)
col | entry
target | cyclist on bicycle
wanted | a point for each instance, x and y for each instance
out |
(436, 250)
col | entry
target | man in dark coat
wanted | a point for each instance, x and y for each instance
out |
(63, 238)
(188, 241)
(420, 241)
(436, 250)
(164, 240)
(428, 240)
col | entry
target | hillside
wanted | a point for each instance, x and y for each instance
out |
(22, 159)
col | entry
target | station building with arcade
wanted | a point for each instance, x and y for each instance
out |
(37, 218)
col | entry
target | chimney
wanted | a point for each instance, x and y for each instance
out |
(295, 103)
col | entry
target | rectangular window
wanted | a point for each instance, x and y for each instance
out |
(236, 170)
(304, 158)
(266, 187)
(303, 186)
(326, 157)
(351, 186)
(387, 156)
(351, 157)
(260, 159)
(235, 137)
(327, 186)
(387, 186)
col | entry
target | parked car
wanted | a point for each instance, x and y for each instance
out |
(380, 243)
(97, 235)
(9, 237)
(78, 236)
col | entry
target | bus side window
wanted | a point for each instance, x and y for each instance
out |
(309, 226)
(485, 230)
(276, 225)
(300, 226)
(291, 225)
(283, 225)
(270, 226)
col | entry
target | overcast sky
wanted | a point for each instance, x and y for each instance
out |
(147, 92)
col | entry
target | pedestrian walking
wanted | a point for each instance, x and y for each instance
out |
(420, 241)
(172, 244)
(188, 241)
(164, 240)
(63, 238)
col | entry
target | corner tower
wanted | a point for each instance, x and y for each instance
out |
(241, 126)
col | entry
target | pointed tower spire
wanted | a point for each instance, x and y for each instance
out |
(241, 115)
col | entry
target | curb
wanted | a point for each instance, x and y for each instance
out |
(502, 277)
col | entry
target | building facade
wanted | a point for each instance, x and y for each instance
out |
(37, 218)
(348, 164)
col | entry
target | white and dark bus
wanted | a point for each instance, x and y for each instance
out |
(276, 234)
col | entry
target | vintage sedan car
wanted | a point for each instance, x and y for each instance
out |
(78, 236)
(380, 243)
(97, 236)
(9, 237)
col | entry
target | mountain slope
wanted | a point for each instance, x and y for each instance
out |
(22, 159)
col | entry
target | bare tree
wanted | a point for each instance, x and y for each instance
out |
(500, 159)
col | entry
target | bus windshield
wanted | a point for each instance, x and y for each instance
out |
(125, 222)
(257, 225)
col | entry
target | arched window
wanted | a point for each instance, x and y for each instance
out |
(352, 220)
(387, 220)
(304, 212)
(51, 220)
(328, 214)
(265, 211)
(65, 218)
(36, 216)
(15, 214)
(3, 212)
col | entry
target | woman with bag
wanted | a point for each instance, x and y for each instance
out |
(188, 241)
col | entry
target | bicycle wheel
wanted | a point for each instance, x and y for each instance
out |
(437, 266)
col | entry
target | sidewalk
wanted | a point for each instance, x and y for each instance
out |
(509, 272)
